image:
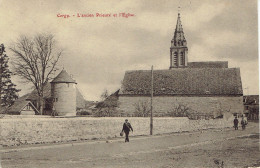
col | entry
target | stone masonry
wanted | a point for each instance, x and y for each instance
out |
(164, 104)
(50, 130)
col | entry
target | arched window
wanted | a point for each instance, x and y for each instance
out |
(175, 59)
(182, 59)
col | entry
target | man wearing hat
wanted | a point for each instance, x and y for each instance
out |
(236, 123)
(126, 128)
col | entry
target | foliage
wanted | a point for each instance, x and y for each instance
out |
(179, 110)
(8, 92)
(106, 112)
(107, 107)
(254, 109)
(221, 110)
(84, 112)
(104, 95)
(54, 113)
(142, 109)
(35, 60)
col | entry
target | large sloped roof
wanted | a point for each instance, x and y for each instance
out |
(63, 77)
(109, 101)
(80, 100)
(19, 104)
(46, 92)
(184, 81)
(208, 64)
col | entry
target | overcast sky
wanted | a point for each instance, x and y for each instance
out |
(98, 51)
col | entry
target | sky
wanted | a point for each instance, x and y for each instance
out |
(98, 50)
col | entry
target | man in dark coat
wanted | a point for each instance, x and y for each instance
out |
(126, 128)
(236, 123)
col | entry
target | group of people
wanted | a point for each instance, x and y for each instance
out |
(127, 127)
(243, 123)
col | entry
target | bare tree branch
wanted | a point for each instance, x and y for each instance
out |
(35, 60)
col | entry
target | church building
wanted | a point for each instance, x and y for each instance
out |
(208, 88)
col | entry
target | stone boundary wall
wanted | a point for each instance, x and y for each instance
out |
(15, 131)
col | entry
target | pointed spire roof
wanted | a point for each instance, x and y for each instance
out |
(178, 38)
(63, 77)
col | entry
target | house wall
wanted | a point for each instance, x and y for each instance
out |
(27, 112)
(64, 95)
(252, 112)
(164, 104)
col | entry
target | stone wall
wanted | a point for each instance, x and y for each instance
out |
(64, 95)
(15, 131)
(164, 104)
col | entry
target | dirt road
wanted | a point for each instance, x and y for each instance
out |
(210, 148)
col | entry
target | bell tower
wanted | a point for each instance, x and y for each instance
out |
(179, 49)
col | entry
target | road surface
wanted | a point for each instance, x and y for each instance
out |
(208, 148)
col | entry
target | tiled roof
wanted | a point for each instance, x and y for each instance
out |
(109, 101)
(209, 64)
(46, 92)
(19, 104)
(63, 77)
(184, 81)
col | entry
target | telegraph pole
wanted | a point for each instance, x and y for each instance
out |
(1, 61)
(151, 117)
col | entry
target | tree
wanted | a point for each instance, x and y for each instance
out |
(179, 110)
(221, 110)
(142, 109)
(104, 95)
(35, 59)
(108, 106)
(8, 92)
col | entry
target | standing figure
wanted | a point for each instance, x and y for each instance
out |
(236, 123)
(243, 123)
(126, 128)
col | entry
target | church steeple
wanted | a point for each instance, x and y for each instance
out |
(179, 49)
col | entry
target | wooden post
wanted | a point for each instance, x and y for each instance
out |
(1, 75)
(151, 117)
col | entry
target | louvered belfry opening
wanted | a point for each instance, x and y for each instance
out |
(179, 49)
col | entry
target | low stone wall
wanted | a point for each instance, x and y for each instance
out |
(15, 131)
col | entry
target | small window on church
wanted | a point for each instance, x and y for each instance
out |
(182, 59)
(175, 59)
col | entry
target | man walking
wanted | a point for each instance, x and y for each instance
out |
(236, 123)
(126, 128)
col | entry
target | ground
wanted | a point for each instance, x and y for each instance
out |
(208, 148)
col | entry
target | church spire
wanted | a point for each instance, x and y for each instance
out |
(179, 49)
(178, 38)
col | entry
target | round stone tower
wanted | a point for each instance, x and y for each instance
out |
(63, 91)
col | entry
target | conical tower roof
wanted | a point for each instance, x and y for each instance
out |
(63, 77)
(178, 38)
